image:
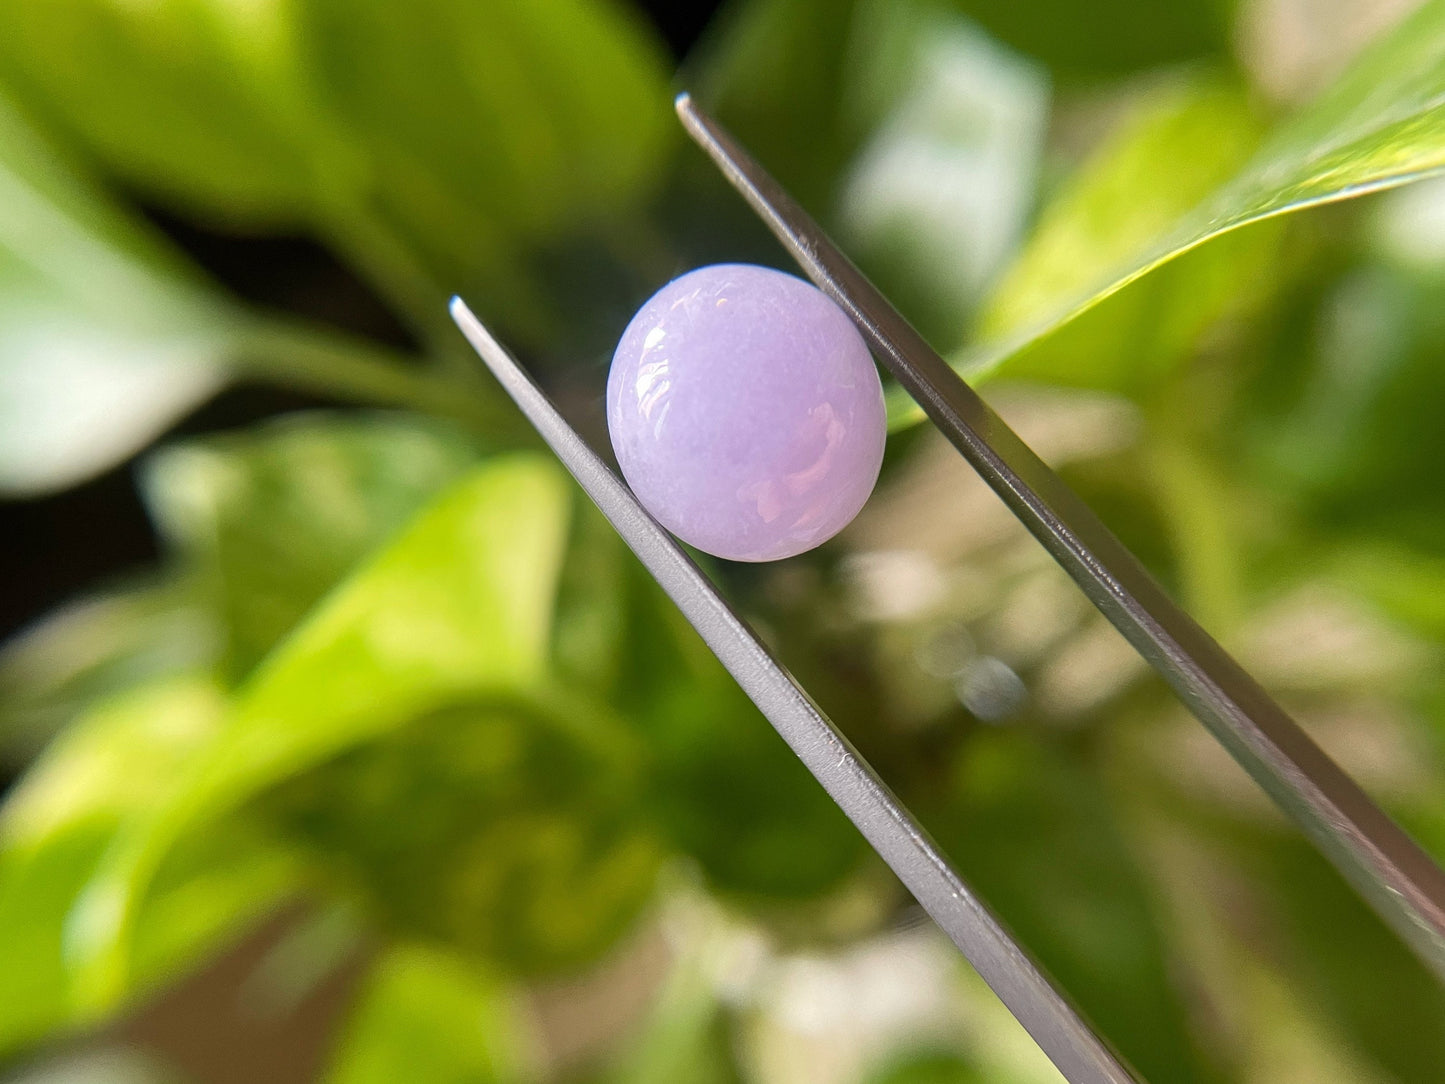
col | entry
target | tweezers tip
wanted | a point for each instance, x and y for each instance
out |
(477, 334)
(688, 113)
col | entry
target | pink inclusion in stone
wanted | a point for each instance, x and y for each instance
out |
(746, 413)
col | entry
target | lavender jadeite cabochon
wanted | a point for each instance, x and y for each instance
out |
(746, 413)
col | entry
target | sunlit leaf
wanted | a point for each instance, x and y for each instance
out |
(424, 1016)
(1183, 141)
(55, 828)
(512, 828)
(77, 399)
(510, 831)
(65, 232)
(1382, 124)
(104, 337)
(272, 518)
(113, 763)
(459, 606)
(37, 886)
(107, 335)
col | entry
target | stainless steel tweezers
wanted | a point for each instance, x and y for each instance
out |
(1387, 867)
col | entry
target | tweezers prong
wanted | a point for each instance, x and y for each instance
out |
(1386, 866)
(1055, 1025)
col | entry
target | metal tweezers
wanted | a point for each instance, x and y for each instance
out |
(1387, 867)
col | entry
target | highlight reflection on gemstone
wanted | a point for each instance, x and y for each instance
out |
(746, 413)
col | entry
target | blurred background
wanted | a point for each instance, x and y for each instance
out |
(342, 740)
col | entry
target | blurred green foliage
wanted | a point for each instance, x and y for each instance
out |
(270, 520)
(424, 1016)
(392, 665)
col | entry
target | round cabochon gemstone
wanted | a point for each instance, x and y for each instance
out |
(746, 413)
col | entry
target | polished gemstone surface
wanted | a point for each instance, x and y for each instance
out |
(746, 413)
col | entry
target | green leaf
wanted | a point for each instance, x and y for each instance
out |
(490, 128)
(1357, 440)
(1108, 38)
(1407, 585)
(1373, 991)
(37, 886)
(721, 786)
(270, 519)
(107, 335)
(105, 338)
(78, 397)
(536, 112)
(112, 763)
(937, 193)
(902, 125)
(1183, 141)
(592, 626)
(1381, 125)
(437, 145)
(198, 100)
(775, 72)
(928, 1067)
(733, 796)
(57, 824)
(93, 648)
(458, 607)
(215, 886)
(1024, 816)
(60, 228)
(424, 1016)
(509, 830)
(728, 791)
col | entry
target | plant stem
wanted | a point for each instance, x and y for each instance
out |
(368, 242)
(318, 360)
